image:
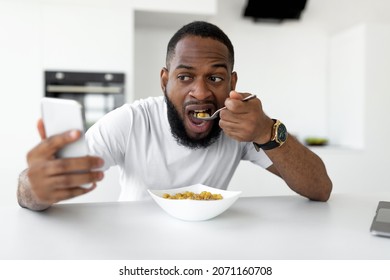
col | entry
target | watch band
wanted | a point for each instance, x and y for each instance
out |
(267, 146)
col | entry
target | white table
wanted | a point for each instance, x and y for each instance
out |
(282, 227)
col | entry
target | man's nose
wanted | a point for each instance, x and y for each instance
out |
(200, 90)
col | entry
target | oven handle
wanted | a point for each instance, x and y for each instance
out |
(85, 89)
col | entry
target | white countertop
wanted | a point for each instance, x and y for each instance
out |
(279, 227)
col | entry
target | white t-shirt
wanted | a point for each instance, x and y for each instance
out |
(137, 138)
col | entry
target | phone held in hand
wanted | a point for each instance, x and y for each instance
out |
(60, 115)
(381, 223)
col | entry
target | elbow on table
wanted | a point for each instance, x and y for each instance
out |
(323, 192)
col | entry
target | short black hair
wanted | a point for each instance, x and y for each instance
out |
(202, 29)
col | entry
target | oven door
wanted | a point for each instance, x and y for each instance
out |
(98, 93)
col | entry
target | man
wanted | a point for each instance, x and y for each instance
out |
(160, 142)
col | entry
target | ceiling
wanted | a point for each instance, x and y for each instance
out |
(330, 14)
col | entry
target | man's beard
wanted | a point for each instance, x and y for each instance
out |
(179, 132)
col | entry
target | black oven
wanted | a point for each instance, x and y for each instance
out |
(97, 92)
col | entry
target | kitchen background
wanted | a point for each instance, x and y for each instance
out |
(324, 75)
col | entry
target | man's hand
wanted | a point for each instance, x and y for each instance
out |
(50, 179)
(245, 121)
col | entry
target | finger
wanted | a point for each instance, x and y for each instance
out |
(235, 104)
(41, 129)
(237, 135)
(45, 187)
(73, 165)
(48, 147)
(63, 194)
(73, 180)
(236, 95)
(242, 130)
(234, 115)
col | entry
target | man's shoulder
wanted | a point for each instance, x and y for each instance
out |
(141, 108)
(149, 109)
(156, 102)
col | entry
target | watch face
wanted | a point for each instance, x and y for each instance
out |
(282, 133)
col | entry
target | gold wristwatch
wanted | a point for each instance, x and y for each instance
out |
(278, 137)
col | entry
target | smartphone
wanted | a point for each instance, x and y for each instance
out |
(60, 115)
(381, 223)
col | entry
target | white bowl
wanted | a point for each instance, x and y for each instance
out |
(195, 210)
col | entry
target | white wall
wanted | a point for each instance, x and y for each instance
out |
(287, 65)
(150, 49)
(347, 87)
(21, 85)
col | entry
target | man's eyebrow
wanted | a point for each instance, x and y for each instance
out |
(183, 66)
(218, 65)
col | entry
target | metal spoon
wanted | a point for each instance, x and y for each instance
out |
(216, 113)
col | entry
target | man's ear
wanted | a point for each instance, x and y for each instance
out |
(233, 81)
(164, 78)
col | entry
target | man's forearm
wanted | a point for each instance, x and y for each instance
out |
(303, 171)
(26, 198)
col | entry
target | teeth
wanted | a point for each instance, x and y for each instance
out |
(201, 114)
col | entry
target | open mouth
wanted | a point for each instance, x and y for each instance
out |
(194, 114)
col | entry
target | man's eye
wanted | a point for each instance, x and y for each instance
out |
(216, 79)
(184, 77)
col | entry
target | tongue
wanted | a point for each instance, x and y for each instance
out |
(196, 121)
